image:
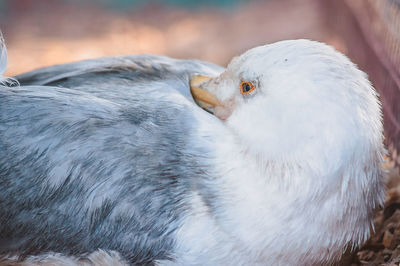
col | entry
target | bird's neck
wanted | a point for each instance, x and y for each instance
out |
(308, 211)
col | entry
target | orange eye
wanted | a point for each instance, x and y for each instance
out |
(246, 87)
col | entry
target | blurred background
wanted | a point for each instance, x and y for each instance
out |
(45, 32)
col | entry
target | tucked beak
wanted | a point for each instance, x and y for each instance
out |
(202, 96)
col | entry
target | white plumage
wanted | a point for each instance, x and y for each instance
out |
(298, 160)
(3, 57)
(295, 164)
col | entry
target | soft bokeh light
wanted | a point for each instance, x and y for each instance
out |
(42, 33)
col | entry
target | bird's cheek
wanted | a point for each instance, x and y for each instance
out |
(225, 110)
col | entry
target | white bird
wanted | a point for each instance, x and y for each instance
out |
(113, 154)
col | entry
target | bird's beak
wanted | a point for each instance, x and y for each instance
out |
(201, 94)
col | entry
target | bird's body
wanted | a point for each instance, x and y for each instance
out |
(114, 154)
(137, 183)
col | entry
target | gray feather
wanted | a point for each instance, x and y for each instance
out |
(93, 156)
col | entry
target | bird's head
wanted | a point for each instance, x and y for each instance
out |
(311, 121)
(295, 99)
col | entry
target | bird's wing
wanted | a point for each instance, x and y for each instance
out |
(78, 172)
(101, 163)
(125, 70)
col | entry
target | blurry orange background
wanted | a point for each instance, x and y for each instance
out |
(44, 32)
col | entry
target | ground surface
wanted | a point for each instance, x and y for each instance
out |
(383, 248)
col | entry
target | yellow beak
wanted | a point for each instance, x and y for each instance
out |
(203, 97)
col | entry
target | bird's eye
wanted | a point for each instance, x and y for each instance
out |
(246, 87)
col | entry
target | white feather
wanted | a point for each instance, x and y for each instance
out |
(3, 64)
(3, 56)
(298, 162)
